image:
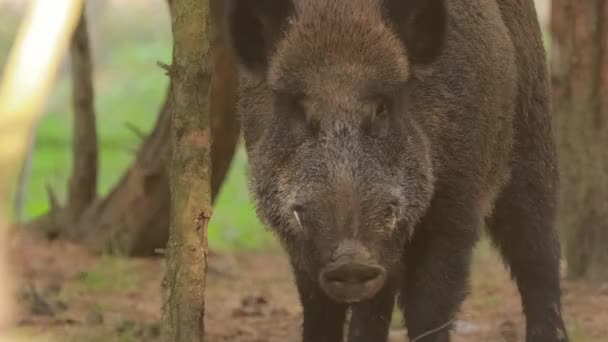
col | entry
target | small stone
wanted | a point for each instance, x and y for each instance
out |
(68, 321)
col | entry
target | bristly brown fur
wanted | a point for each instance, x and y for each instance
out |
(402, 125)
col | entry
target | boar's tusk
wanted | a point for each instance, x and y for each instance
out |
(297, 216)
(393, 222)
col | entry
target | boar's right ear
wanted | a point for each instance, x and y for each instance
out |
(421, 26)
(254, 27)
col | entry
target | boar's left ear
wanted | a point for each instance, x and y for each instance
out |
(421, 26)
(254, 26)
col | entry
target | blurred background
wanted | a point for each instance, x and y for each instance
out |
(127, 37)
(109, 290)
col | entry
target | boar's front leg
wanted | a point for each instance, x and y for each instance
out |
(370, 320)
(323, 318)
(437, 267)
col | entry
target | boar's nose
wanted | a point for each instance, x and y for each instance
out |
(351, 282)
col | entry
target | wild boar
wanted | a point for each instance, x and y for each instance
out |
(382, 137)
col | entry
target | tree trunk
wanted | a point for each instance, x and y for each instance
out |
(83, 181)
(184, 282)
(580, 82)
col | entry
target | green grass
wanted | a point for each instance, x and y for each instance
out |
(234, 223)
(101, 277)
(129, 88)
(577, 334)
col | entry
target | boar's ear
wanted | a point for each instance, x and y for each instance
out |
(254, 26)
(421, 26)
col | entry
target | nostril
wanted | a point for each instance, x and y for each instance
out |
(369, 274)
(352, 274)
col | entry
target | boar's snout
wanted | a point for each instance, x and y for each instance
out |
(351, 276)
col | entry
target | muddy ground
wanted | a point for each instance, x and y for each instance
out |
(67, 294)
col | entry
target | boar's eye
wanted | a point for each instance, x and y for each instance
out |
(382, 109)
(295, 108)
(377, 122)
(290, 104)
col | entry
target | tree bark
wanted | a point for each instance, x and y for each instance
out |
(580, 83)
(83, 181)
(190, 175)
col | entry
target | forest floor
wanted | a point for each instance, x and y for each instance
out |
(67, 294)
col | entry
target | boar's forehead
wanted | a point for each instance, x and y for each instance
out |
(347, 37)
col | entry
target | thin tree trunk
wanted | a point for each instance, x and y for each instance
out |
(83, 181)
(580, 82)
(190, 175)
